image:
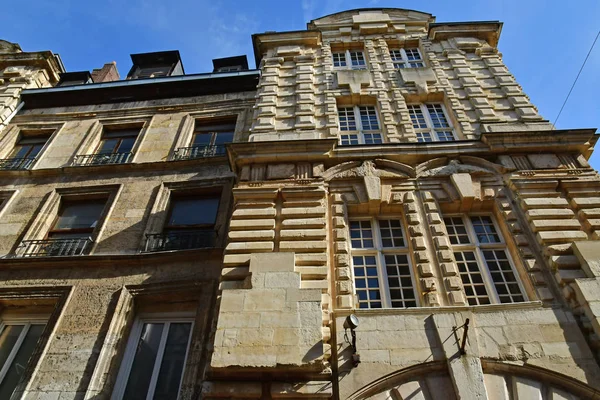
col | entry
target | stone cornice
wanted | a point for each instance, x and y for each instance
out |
(580, 140)
(264, 41)
(45, 60)
(496, 143)
(485, 30)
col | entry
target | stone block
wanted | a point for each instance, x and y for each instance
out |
(265, 300)
(550, 237)
(354, 79)
(274, 262)
(544, 161)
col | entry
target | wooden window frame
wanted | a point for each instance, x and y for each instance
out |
(478, 248)
(403, 61)
(27, 321)
(185, 195)
(107, 132)
(83, 231)
(346, 136)
(133, 340)
(347, 59)
(430, 129)
(379, 252)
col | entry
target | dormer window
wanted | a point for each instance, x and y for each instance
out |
(155, 65)
(232, 68)
(153, 72)
(353, 59)
(407, 58)
(75, 78)
(230, 64)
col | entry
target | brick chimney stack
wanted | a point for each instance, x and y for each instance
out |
(107, 73)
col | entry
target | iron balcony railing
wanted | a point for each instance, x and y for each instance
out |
(102, 159)
(188, 153)
(16, 163)
(181, 240)
(55, 247)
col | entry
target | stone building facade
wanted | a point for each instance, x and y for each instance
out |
(393, 220)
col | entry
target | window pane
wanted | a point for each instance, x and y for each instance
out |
(368, 118)
(348, 140)
(193, 211)
(472, 280)
(361, 234)
(8, 338)
(126, 145)
(436, 112)
(108, 146)
(224, 137)
(503, 277)
(366, 281)
(21, 151)
(413, 54)
(151, 72)
(358, 59)
(339, 59)
(445, 136)
(171, 368)
(373, 138)
(456, 230)
(347, 119)
(399, 280)
(19, 364)
(424, 137)
(416, 116)
(391, 233)
(396, 55)
(485, 229)
(80, 215)
(202, 139)
(35, 150)
(146, 352)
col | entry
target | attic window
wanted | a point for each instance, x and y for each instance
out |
(230, 68)
(153, 71)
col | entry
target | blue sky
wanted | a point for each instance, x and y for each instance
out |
(543, 42)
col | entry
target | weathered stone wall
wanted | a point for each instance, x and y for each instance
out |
(103, 292)
(23, 70)
(389, 341)
(299, 86)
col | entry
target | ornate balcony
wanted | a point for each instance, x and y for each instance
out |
(180, 240)
(55, 247)
(16, 163)
(102, 159)
(188, 153)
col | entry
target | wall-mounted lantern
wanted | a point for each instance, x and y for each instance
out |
(351, 323)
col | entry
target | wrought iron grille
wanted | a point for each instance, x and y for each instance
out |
(55, 247)
(188, 153)
(102, 159)
(180, 240)
(16, 163)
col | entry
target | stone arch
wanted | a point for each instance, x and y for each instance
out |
(379, 168)
(417, 381)
(445, 166)
(526, 381)
(432, 381)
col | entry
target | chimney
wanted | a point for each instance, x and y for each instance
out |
(107, 73)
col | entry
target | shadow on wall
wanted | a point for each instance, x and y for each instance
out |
(314, 353)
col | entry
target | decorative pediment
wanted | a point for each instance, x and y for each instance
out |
(384, 15)
(377, 168)
(443, 167)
